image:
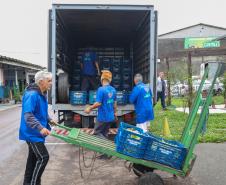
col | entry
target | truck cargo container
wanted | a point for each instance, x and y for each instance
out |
(124, 38)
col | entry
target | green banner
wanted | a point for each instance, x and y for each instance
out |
(201, 43)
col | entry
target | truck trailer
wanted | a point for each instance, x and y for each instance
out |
(124, 38)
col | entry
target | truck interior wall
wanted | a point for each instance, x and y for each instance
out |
(113, 43)
(63, 49)
(142, 49)
(64, 57)
(49, 63)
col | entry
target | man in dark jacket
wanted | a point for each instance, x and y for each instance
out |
(161, 90)
(34, 126)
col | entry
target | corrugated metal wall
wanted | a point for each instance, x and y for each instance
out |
(142, 49)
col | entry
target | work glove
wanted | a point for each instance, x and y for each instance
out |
(87, 110)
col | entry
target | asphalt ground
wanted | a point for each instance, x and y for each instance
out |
(63, 167)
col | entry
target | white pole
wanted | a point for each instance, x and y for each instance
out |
(27, 77)
(16, 78)
(1, 76)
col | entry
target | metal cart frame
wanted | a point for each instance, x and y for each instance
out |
(189, 137)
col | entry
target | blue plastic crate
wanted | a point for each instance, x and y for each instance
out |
(116, 69)
(126, 63)
(126, 76)
(117, 61)
(75, 87)
(92, 97)
(78, 97)
(76, 70)
(131, 143)
(115, 81)
(116, 77)
(167, 152)
(121, 97)
(126, 86)
(106, 63)
(128, 93)
(76, 77)
(116, 85)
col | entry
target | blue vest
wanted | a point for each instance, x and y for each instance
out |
(88, 61)
(37, 104)
(106, 95)
(141, 97)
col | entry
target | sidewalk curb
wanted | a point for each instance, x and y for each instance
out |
(4, 107)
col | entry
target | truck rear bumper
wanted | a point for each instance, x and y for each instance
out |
(122, 109)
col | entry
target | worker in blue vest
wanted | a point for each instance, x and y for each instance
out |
(107, 107)
(90, 69)
(34, 126)
(141, 97)
(106, 104)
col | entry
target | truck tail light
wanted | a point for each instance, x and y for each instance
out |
(77, 118)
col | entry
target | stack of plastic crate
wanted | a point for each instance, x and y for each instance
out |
(105, 63)
(92, 97)
(126, 75)
(78, 97)
(116, 72)
(75, 77)
(132, 141)
(121, 97)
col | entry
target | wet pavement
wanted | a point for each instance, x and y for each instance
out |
(63, 167)
(8, 106)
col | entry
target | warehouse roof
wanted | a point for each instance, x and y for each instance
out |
(223, 37)
(200, 24)
(20, 63)
(197, 30)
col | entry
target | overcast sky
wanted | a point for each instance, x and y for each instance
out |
(23, 23)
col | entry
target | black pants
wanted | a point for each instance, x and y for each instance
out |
(161, 95)
(89, 83)
(37, 160)
(102, 129)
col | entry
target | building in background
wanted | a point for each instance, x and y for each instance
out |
(15, 75)
(199, 41)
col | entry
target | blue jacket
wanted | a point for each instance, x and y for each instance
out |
(141, 97)
(34, 103)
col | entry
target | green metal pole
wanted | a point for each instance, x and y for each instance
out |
(191, 117)
(200, 122)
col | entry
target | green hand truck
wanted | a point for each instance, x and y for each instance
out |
(189, 137)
